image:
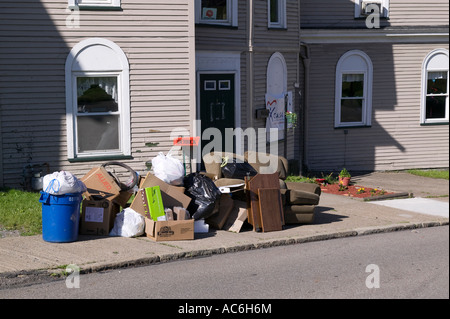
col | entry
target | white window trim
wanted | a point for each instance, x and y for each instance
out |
(368, 84)
(232, 8)
(282, 24)
(95, 3)
(359, 5)
(123, 73)
(424, 89)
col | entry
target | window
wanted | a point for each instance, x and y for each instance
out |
(362, 8)
(435, 88)
(354, 74)
(94, 3)
(277, 14)
(97, 100)
(217, 12)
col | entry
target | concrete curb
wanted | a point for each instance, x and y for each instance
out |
(262, 245)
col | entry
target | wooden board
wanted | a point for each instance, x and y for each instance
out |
(260, 181)
(271, 209)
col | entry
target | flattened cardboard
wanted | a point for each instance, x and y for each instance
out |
(169, 230)
(98, 217)
(237, 217)
(172, 196)
(100, 185)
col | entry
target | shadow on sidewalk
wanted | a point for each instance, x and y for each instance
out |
(322, 217)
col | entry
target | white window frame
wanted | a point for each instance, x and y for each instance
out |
(232, 14)
(359, 6)
(82, 62)
(437, 66)
(346, 66)
(95, 3)
(282, 18)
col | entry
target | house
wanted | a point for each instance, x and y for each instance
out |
(376, 92)
(83, 82)
(252, 48)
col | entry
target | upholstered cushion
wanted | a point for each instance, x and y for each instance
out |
(305, 187)
(263, 163)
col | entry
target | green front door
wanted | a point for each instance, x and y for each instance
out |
(217, 107)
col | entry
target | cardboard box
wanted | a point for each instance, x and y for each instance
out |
(169, 230)
(100, 185)
(97, 217)
(172, 196)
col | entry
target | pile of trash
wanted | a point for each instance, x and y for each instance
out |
(165, 205)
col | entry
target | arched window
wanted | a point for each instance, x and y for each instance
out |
(354, 77)
(97, 101)
(434, 105)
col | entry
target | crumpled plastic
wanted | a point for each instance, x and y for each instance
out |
(128, 223)
(168, 169)
(61, 183)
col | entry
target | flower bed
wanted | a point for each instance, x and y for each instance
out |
(353, 191)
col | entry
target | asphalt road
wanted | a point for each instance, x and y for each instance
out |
(407, 264)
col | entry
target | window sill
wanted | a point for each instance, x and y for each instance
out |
(100, 158)
(434, 124)
(351, 127)
(95, 8)
(277, 28)
(216, 25)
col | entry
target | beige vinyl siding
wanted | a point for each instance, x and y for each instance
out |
(396, 139)
(156, 36)
(341, 13)
(210, 37)
(419, 12)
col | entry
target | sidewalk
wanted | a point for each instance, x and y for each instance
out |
(336, 217)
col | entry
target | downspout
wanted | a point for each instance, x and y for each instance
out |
(305, 57)
(250, 96)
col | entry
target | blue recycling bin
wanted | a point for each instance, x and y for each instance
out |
(60, 217)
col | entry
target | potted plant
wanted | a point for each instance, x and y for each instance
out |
(344, 177)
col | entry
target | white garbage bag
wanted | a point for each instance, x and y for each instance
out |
(168, 169)
(61, 183)
(128, 223)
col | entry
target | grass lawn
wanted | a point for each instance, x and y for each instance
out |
(20, 211)
(433, 173)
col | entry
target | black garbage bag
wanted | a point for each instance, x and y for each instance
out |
(205, 195)
(238, 170)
